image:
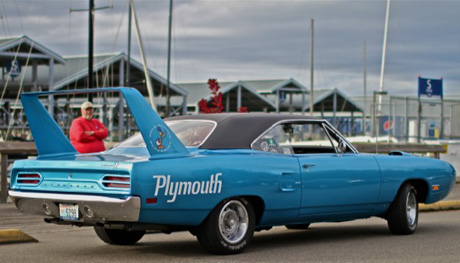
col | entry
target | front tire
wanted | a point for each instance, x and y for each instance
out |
(229, 228)
(117, 236)
(403, 213)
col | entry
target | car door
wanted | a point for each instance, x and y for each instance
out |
(338, 186)
(335, 186)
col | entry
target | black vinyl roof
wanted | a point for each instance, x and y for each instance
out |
(239, 130)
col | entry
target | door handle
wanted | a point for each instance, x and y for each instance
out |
(307, 166)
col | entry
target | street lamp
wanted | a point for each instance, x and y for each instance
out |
(374, 95)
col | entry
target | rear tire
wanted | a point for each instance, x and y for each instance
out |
(118, 237)
(229, 228)
(403, 213)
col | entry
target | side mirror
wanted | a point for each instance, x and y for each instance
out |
(342, 148)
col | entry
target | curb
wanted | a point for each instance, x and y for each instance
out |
(440, 206)
(9, 236)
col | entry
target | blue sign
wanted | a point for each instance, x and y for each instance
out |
(282, 96)
(429, 87)
(13, 67)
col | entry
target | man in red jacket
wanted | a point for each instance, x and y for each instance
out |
(87, 134)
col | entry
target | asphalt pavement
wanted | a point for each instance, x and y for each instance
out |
(455, 194)
(12, 219)
(358, 241)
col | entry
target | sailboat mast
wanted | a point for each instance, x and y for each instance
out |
(382, 71)
(144, 62)
(168, 98)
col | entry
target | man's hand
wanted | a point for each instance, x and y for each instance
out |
(89, 133)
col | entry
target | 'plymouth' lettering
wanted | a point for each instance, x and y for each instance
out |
(173, 189)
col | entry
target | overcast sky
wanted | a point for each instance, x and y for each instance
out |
(261, 39)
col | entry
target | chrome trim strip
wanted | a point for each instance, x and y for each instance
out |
(328, 131)
(67, 197)
(341, 136)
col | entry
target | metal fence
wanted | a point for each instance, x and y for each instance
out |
(413, 120)
(400, 119)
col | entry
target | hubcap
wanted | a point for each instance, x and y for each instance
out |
(233, 222)
(411, 208)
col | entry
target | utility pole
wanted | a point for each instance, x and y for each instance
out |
(90, 11)
(128, 66)
(365, 88)
(127, 82)
(168, 97)
(90, 46)
(311, 68)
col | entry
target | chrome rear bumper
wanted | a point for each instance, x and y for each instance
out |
(104, 209)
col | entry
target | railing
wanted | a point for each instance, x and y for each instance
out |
(12, 148)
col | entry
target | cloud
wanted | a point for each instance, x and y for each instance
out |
(244, 39)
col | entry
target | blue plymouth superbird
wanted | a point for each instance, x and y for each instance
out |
(219, 176)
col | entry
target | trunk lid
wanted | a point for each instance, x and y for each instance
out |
(84, 174)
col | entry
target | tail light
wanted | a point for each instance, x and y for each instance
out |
(29, 178)
(115, 181)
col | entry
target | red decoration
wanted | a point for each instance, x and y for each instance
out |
(215, 104)
(243, 109)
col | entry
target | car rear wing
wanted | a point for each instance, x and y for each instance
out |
(49, 138)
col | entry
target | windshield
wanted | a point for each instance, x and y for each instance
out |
(192, 133)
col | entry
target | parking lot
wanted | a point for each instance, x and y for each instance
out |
(369, 240)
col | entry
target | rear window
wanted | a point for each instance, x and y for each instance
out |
(192, 133)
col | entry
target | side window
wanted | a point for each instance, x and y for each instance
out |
(275, 140)
(297, 138)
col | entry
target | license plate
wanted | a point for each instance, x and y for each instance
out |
(68, 212)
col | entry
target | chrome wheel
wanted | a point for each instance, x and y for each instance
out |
(411, 208)
(229, 227)
(233, 222)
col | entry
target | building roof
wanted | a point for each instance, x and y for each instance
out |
(271, 86)
(324, 102)
(263, 93)
(110, 63)
(250, 98)
(23, 45)
(320, 97)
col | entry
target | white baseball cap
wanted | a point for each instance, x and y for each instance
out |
(86, 105)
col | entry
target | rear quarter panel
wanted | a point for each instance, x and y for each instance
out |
(213, 176)
(395, 170)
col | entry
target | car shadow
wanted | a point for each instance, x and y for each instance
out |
(278, 239)
(316, 235)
